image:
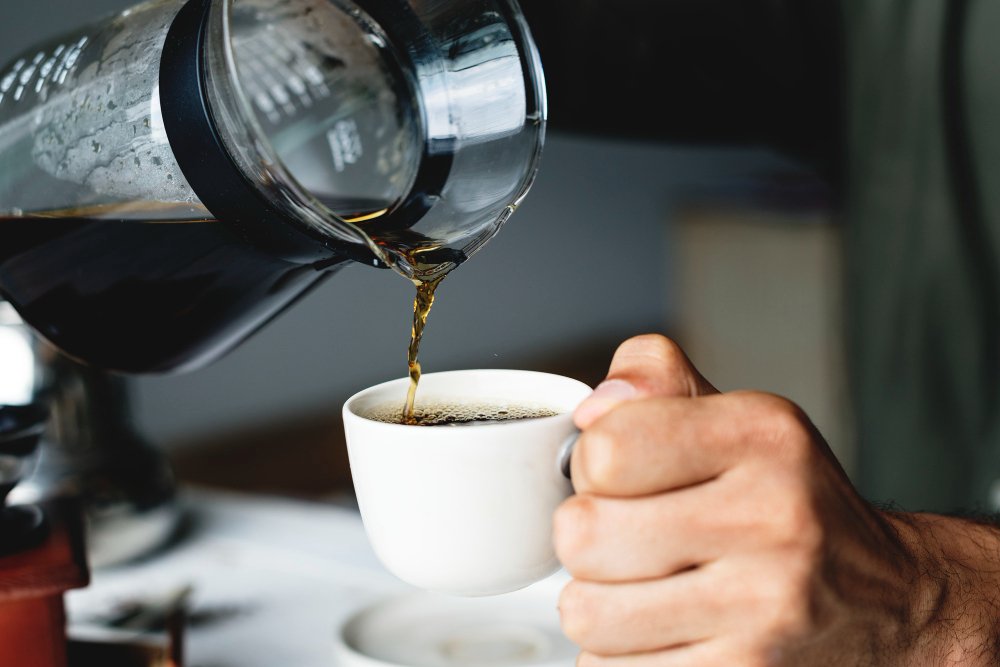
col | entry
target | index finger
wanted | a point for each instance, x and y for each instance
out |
(662, 444)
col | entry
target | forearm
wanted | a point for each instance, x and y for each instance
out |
(696, 71)
(957, 597)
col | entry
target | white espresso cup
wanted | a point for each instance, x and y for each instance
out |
(464, 510)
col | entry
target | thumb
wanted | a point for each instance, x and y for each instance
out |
(643, 367)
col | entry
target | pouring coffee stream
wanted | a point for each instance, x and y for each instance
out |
(422, 304)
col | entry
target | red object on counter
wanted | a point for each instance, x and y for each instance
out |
(32, 585)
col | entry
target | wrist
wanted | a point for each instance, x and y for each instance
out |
(955, 600)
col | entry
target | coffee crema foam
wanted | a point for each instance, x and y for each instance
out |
(457, 414)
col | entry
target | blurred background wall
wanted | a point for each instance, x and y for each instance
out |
(717, 247)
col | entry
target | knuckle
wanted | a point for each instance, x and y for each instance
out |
(603, 464)
(791, 622)
(577, 613)
(748, 658)
(788, 419)
(782, 423)
(752, 651)
(794, 531)
(792, 613)
(797, 525)
(573, 528)
(731, 653)
(759, 658)
(782, 608)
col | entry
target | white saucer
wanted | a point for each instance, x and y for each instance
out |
(519, 629)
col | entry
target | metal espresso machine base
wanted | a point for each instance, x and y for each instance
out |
(89, 451)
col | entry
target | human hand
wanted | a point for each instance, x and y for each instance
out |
(715, 529)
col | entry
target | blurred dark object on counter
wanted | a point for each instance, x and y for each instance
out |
(134, 653)
(147, 633)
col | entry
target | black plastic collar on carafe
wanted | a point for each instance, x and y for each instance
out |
(208, 166)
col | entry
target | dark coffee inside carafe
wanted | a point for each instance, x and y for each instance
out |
(171, 287)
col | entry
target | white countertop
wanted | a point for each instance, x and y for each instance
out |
(271, 578)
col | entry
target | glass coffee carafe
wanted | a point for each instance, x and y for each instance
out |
(174, 176)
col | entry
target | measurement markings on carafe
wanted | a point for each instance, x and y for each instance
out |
(284, 72)
(52, 69)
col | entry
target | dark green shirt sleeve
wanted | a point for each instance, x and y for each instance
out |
(746, 72)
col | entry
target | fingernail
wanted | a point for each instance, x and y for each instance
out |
(607, 395)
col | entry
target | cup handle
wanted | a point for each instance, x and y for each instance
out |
(566, 454)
